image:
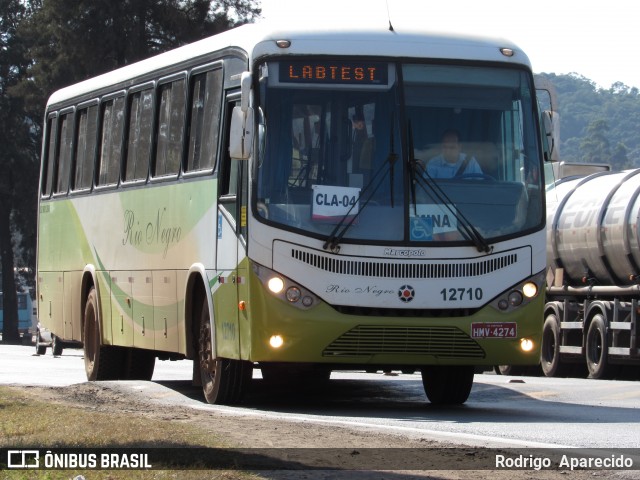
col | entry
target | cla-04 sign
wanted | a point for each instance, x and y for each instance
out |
(332, 203)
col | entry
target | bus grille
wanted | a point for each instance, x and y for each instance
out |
(368, 268)
(441, 342)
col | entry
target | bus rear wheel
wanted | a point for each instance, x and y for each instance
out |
(100, 362)
(448, 384)
(224, 381)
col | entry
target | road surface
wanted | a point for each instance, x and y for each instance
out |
(502, 411)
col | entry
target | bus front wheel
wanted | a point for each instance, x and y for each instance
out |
(224, 381)
(448, 384)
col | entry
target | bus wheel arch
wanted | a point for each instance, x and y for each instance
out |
(223, 380)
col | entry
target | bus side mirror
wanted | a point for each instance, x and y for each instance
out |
(241, 134)
(551, 126)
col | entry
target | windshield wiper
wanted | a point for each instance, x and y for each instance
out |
(420, 176)
(333, 240)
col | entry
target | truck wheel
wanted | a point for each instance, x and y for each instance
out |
(224, 380)
(56, 346)
(597, 348)
(550, 351)
(100, 362)
(448, 384)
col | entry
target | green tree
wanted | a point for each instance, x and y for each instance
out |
(48, 44)
(18, 162)
(595, 146)
(619, 159)
(72, 41)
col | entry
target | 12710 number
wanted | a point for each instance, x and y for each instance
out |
(461, 294)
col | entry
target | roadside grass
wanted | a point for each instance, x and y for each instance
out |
(27, 421)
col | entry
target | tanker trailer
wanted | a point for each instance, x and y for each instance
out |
(593, 276)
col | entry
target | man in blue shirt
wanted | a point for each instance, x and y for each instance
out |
(452, 162)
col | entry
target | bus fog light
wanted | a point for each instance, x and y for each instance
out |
(276, 284)
(276, 341)
(293, 294)
(503, 304)
(515, 299)
(530, 289)
(526, 344)
(307, 301)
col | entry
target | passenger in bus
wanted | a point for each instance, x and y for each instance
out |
(451, 162)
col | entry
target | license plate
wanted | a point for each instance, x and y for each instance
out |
(494, 330)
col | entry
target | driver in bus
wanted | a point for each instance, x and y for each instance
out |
(452, 162)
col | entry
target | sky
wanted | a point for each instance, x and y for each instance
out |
(593, 38)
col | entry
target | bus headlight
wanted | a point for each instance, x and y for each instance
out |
(276, 284)
(526, 344)
(284, 288)
(520, 295)
(293, 294)
(515, 298)
(276, 341)
(530, 289)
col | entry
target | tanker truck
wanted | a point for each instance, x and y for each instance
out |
(593, 275)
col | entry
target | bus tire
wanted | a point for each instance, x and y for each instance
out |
(550, 351)
(41, 348)
(138, 364)
(224, 381)
(56, 346)
(597, 350)
(100, 362)
(448, 384)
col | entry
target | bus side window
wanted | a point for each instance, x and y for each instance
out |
(170, 128)
(64, 153)
(111, 141)
(206, 96)
(140, 135)
(87, 119)
(228, 168)
(52, 132)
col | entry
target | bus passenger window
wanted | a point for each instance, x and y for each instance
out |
(206, 95)
(86, 147)
(52, 131)
(170, 128)
(140, 130)
(111, 141)
(64, 153)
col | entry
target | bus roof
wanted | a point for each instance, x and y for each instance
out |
(259, 40)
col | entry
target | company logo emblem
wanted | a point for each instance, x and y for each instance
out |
(23, 459)
(406, 293)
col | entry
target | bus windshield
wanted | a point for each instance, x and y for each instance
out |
(407, 153)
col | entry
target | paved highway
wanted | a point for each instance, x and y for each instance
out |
(501, 411)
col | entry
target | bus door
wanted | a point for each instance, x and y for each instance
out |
(231, 244)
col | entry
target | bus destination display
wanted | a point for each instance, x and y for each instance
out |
(319, 72)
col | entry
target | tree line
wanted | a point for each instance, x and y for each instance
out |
(49, 44)
(598, 125)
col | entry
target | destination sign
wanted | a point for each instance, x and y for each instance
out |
(325, 72)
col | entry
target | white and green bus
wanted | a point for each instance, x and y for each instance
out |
(264, 199)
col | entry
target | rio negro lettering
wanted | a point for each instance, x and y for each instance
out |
(154, 232)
